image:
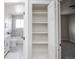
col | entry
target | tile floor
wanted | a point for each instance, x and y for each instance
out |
(16, 53)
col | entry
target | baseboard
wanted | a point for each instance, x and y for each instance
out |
(64, 40)
(72, 42)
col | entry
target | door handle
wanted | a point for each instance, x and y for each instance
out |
(23, 38)
(60, 44)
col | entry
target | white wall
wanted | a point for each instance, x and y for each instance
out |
(42, 0)
(72, 28)
(11, 8)
(14, 1)
(8, 22)
(23, 1)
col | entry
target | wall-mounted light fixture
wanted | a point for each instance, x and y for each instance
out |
(72, 6)
(19, 9)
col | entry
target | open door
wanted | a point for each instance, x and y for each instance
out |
(25, 41)
(27, 46)
(54, 37)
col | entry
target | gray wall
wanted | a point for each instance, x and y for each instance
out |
(72, 28)
(64, 27)
(65, 9)
(68, 27)
(16, 32)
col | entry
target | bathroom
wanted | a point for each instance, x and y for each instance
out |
(14, 27)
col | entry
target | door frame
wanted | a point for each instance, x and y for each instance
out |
(57, 29)
(28, 30)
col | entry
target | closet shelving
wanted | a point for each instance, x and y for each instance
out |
(38, 12)
(40, 43)
(40, 22)
(39, 32)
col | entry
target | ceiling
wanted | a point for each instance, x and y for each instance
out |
(65, 9)
(65, 6)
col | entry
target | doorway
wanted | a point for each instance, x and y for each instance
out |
(68, 29)
(14, 30)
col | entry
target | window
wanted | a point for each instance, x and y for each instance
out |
(19, 23)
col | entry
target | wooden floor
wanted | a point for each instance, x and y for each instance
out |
(67, 50)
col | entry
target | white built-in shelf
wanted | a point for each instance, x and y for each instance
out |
(39, 42)
(40, 2)
(40, 22)
(39, 32)
(39, 12)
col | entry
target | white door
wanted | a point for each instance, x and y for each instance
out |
(25, 41)
(53, 30)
